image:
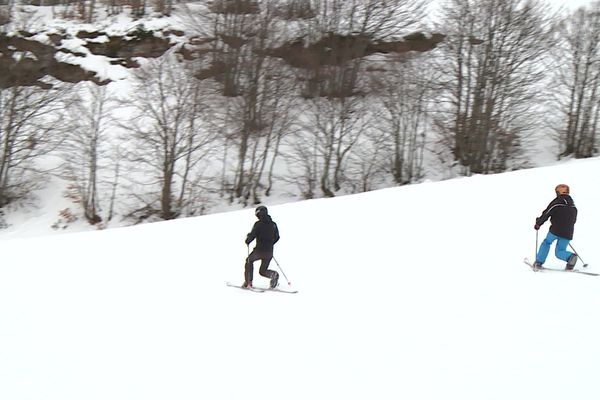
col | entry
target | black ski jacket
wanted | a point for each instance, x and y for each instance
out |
(265, 232)
(563, 215)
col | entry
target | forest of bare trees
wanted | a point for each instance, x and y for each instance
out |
(493, 66)
(578, 83)
(311, 98)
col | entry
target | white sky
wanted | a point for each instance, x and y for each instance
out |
(572, 3)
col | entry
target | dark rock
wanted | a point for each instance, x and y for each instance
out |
(17, 69)
(239, 7)
(89, 35)
(336, 50)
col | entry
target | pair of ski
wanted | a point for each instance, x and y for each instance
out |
(261, 289)
(576, 271)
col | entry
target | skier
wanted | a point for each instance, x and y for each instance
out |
(266, 234)
(563, 215)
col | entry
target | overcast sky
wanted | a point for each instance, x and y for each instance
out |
(571, 3)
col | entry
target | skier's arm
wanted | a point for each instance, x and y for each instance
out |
(276, 233)
(252, 235)
(545, 214)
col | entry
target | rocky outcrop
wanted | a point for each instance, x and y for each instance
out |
(331, 50)
(140, 43)
(335, 50)
(26, 61)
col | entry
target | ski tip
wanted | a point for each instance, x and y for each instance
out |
(250, 289)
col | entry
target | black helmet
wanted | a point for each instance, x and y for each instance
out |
(261, 210)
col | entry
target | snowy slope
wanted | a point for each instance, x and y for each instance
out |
(416, 292)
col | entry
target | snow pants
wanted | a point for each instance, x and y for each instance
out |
(265, 256)
(560, 251)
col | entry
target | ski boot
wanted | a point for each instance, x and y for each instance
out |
(571, 262)
(274, 280)
(537, 265)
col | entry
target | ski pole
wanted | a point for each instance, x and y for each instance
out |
(281, 269)
(536, 244)
(575, 251)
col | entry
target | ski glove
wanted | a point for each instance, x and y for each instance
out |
(536, 227)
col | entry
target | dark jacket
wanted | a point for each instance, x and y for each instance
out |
(265, 232)
(563, 215)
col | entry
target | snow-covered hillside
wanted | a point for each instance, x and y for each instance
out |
(416, 292)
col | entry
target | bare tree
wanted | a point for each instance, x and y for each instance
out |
(30, 123)
(5, 11)
(492, 61)
(138, 8)
(336, 125)
(340, 33)
(303, 161)
(256, 87)
(165, 7)
(578, 82)
(405, 98)
(113, 7)
(169, 137)
(86, 9)
(114, 182)
(84, 149)
(336, 79)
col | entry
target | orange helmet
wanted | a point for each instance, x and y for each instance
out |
(561, 189)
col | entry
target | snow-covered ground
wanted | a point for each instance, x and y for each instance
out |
(417, 292)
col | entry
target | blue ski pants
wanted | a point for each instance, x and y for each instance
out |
(560, 250)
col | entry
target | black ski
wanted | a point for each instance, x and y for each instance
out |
(250, 289)
(576, 271)
(261, 289)
(277, 289)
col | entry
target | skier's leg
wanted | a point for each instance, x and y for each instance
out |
(249, 267)
(264, 266)
(545, 248)
(561, 251)
(268, 273)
